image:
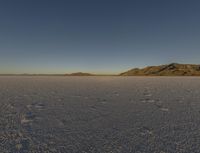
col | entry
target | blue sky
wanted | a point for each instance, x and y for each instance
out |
(98, 36)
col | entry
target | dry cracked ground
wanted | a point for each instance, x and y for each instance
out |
(99, 114)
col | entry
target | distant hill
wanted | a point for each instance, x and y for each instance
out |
(173, 69)
(79, 74)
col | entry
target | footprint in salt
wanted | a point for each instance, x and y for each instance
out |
(145, 131)
(148, 95)
(27, 118)
(86, 97)
(148, 101)
(164, 109)
(116, 93)
(151, 101)
(76, 96)
(38, 106)
(104, 101)
(159, 105)
(180, 100)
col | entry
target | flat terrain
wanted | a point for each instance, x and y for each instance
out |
(99, 114)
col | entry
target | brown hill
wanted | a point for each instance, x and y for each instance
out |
(173, 69)
(79, 74)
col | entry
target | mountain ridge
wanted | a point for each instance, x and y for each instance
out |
(172, 69)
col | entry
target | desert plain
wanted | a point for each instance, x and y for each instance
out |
(99, 114)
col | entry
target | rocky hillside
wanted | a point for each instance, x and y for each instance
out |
(173, 69)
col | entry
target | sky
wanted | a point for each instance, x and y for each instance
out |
(97, 36)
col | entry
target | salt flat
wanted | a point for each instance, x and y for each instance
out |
(99, 114)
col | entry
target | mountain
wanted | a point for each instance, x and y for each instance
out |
(79, 74)
(173, 69)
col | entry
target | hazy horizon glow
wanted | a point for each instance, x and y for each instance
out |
(102, 36)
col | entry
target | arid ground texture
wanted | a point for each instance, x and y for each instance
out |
(99, 114)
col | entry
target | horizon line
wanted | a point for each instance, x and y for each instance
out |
(82, 72)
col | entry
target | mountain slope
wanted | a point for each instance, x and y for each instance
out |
(173, 69)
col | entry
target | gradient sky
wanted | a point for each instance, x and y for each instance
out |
(98, 36)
